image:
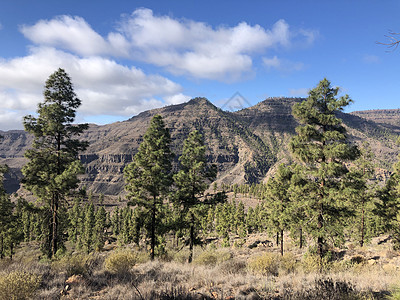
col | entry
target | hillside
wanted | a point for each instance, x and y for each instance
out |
(245, 144)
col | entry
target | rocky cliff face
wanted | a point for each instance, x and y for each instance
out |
(245, 145)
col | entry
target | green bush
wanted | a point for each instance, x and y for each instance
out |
(314, 263)
(266, 264)
(18, 285)
(120, 262)
(395, 295)
(208, 258)
(77, 264)
(287, 263)
(212, 257)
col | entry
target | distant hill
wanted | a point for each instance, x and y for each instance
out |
(246, 145)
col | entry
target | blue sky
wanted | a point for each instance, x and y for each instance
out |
(125, 57)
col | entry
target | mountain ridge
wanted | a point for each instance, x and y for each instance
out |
(246, 145)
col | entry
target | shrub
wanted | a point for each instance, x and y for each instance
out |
(288, 263)
(121, 261)
(77, 264)
(211, 257)
(18, 285)
(395, 295)
(327, 289)
(233, 266)
(266, 264)
(181, 256)
(208, 258)
(314, 263)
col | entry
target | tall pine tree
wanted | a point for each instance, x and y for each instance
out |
(149, 176)
(53, 166)
(278, 201)
(321, 145)
(193, 178)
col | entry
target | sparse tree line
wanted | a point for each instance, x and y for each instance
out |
(326, 193)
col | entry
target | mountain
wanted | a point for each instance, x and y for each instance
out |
(246, 145)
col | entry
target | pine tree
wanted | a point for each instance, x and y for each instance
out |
(149, 176)
(100, 228)
(52, 169)
(116, 221)
(278, 201)
(89, 223)
(74, 216)
(387, 206)
(191, 181)
(359, 193)
(321, 145)
(6, 215)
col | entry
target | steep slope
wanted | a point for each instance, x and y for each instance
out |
(230, 145)
(381, 116)
(245, 145)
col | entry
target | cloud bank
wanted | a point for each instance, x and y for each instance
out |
(102, 67)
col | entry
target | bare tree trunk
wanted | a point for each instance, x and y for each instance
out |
(153, 230)
(282, 242)
(191, 239)
(277, 238)
(54, 242)
(320, 240)
(1, 246)
(301, 237)
(362, 228)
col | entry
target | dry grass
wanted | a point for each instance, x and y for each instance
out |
(371, 272)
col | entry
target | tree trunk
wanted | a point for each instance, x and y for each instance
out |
(301, 237)
(282, 242)
(320, 240)
(362, 228)
(54, 242)
(277, 238)
(1, 246)
(191, 238)
(153, 230)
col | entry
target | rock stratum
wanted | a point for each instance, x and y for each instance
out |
(246, 145)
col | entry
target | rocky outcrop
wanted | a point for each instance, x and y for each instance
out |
(245, 145)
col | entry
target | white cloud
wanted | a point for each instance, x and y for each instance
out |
(181, 46)
(282, 65)
(176, 99)
(72, 33)
(273, 62)
(10, 119)
(105, 87)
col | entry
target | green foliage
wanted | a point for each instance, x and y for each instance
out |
(149, 176)
(100, 227)
(312, 263)
(121, 261)
(321, 145)
(11, 232)
(88, 233)
(212, 257)
(18, 285)
(395, 295)
(387, 207)
(265, 264)
(191, 181)
(278, 202)
(75, 264)
(359, 194)
(53, 166)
